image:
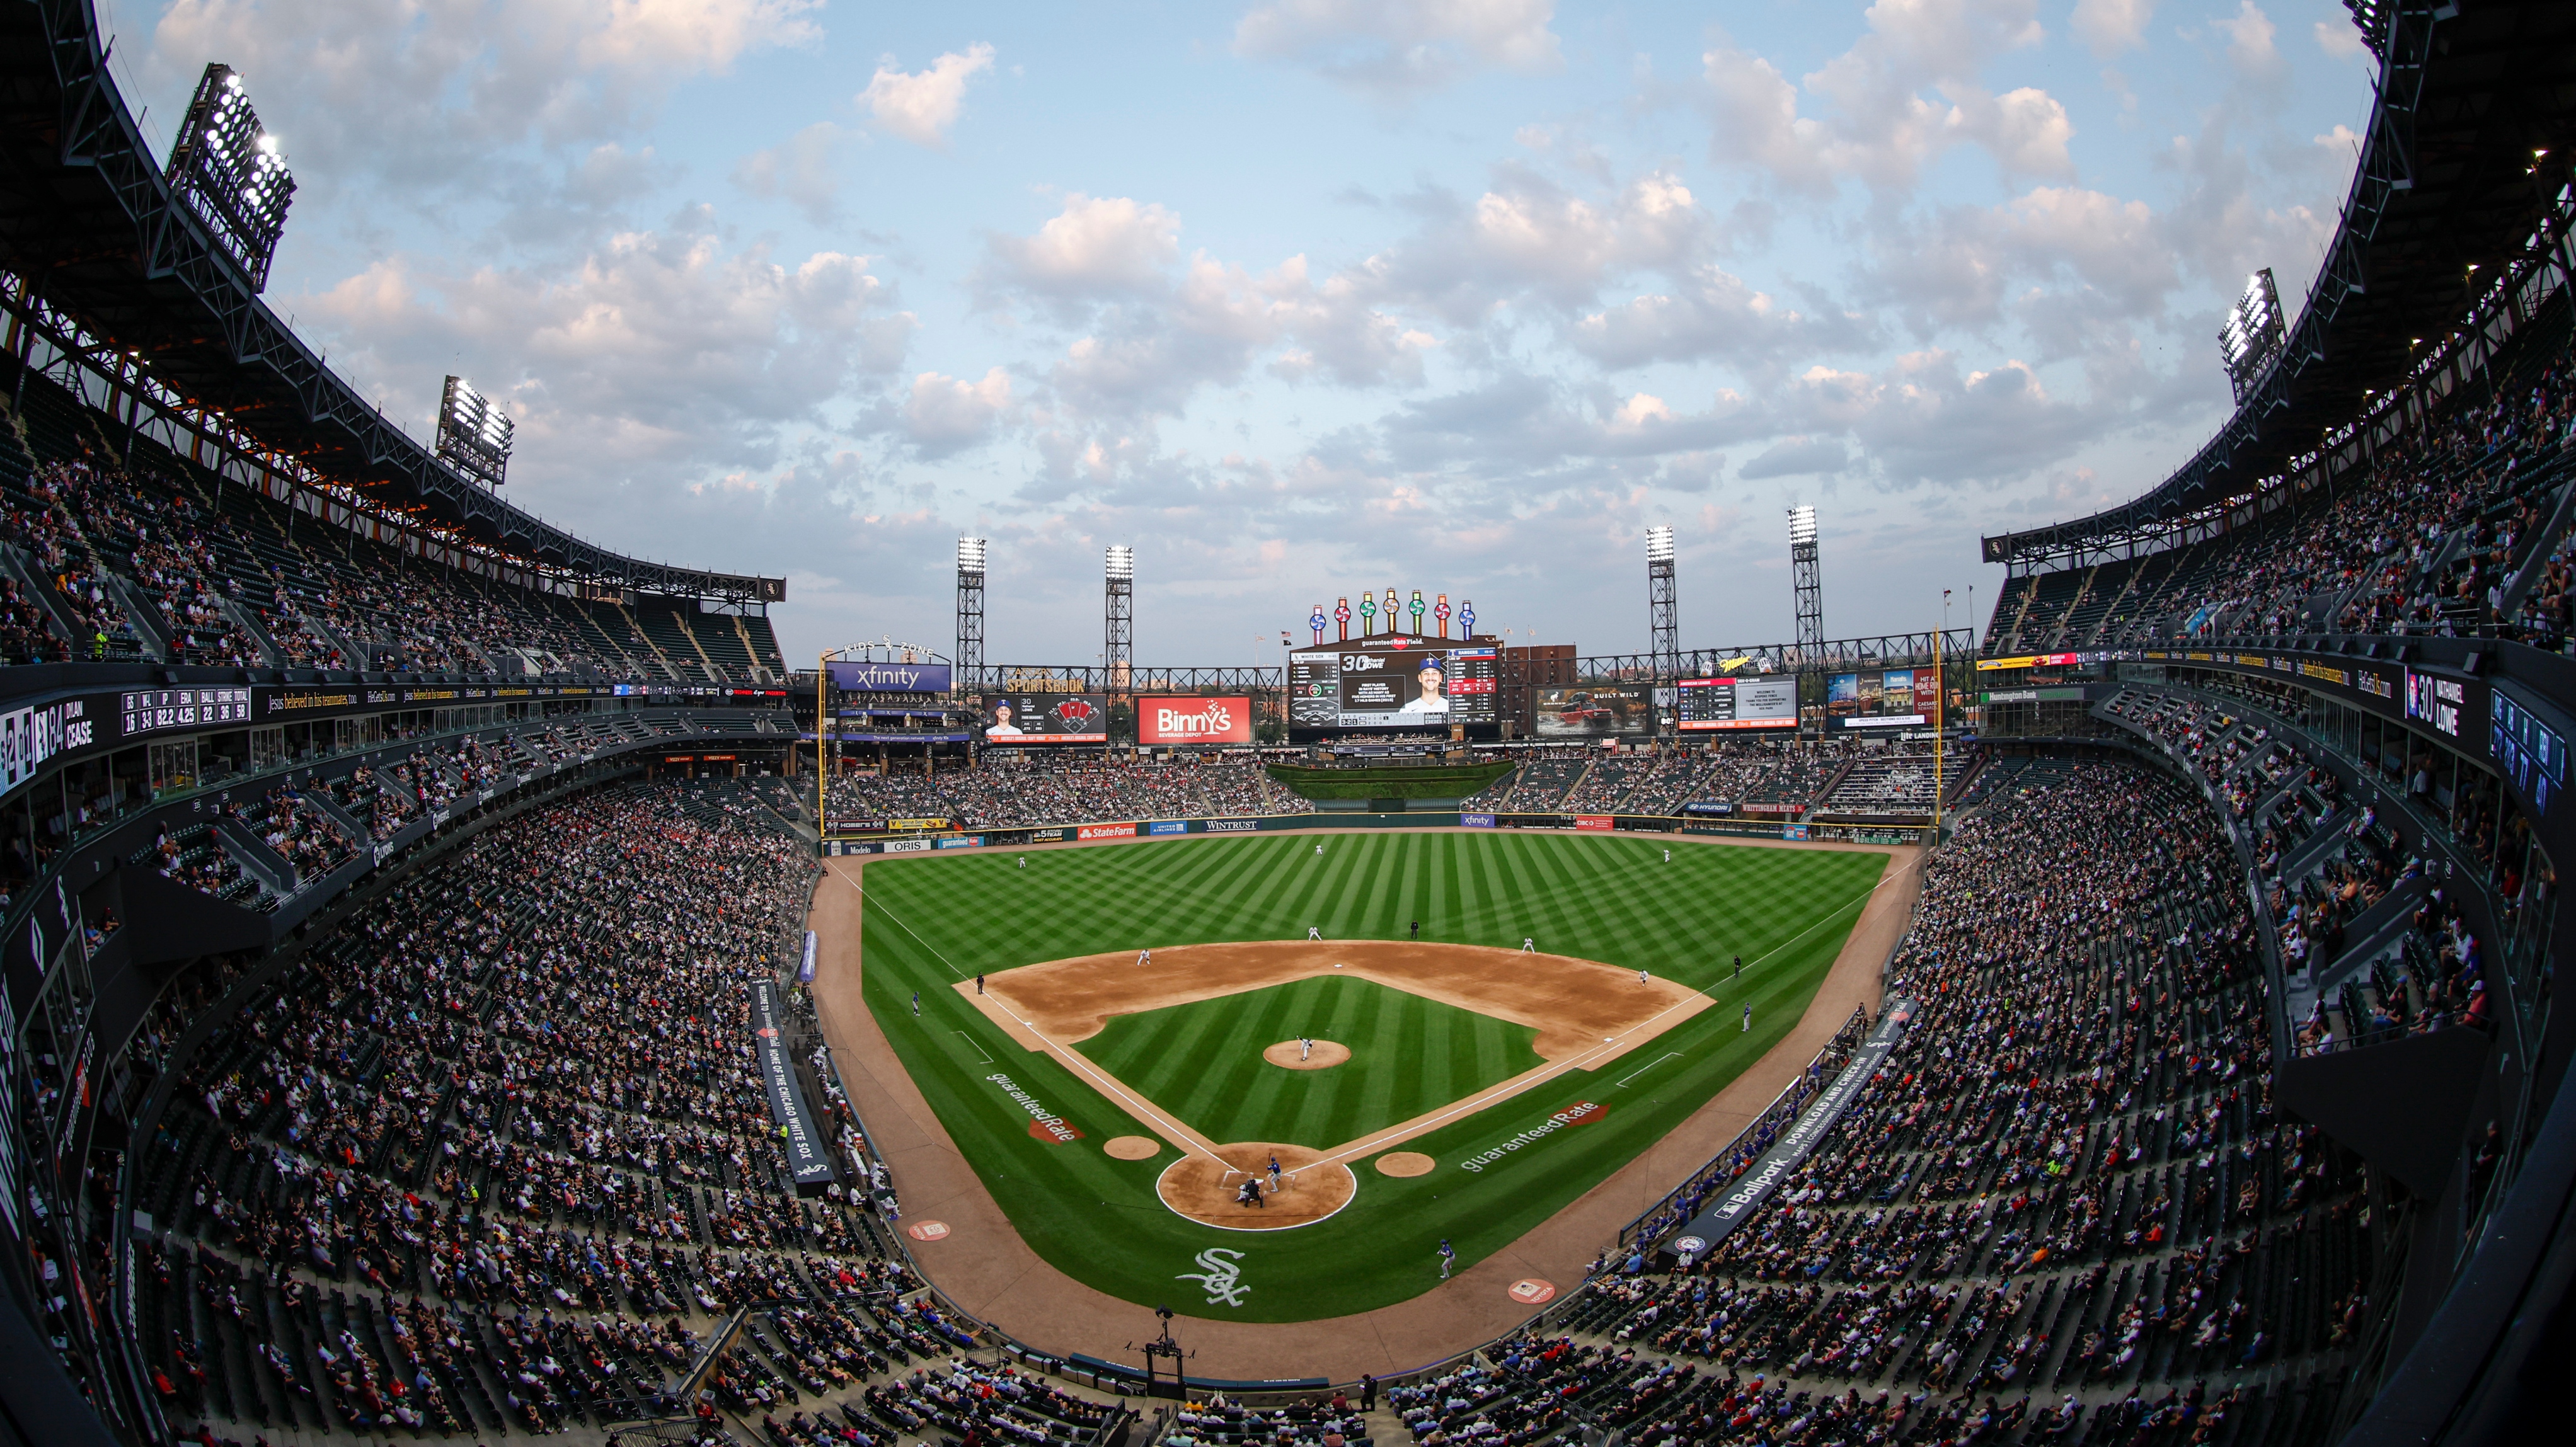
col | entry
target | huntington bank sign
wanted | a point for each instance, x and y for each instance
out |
(1194, 720)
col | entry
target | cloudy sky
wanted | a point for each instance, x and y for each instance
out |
(1297, 297)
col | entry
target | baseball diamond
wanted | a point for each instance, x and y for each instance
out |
(1487, 1061)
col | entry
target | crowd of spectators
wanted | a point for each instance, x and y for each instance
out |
(1003, 796)
(494, 1157)
(2065, 1199)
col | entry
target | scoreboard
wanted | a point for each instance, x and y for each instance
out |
(1758, 701)
(1393, 682)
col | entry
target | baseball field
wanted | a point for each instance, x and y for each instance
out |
(1462, 1083)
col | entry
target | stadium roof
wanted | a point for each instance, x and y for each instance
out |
(88, 219)
(2448, 181)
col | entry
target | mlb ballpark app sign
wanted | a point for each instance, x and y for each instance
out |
(1194, 720)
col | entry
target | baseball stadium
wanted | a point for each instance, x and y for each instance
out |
(467, 977)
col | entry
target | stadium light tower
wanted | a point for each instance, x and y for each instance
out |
(232, 173)
(473, 435)
(2255, 334)
(1806, 583)
(1119, 654)
(1662, 611)
(970, 613)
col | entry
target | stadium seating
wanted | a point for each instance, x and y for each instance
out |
(134, 554)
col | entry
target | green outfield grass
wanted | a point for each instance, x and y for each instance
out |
(1409, 1055)
(932, 921)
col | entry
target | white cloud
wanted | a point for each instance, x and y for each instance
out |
(2339, 39)
(945, 414)
(1401, 45)
(1092, 246)
(921, 108)
(2249, 35)
(804, 169)
(2108, 27)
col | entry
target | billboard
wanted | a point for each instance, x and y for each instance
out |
(1046, 718)
(1392, 682)
(889, 677)
(1881, 697)
(1595, 711)
(1755, 701)
(1187, 720)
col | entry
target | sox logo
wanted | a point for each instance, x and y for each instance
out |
(1221, 1273)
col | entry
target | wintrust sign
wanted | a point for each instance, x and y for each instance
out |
(1194, 720)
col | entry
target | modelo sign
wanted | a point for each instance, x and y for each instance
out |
(1194, 720)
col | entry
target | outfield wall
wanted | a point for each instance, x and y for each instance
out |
(1148, 829)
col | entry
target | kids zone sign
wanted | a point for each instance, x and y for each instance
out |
(1194, 720)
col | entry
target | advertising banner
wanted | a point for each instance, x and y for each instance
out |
(1594, 823)
(1756, 701)
(1595, 711)
(1475, 821)
(1708, 806)
(1702, 1233)
(805, 971)
(1233, 826)
(889, 677)
(1187, 720)
(962, 841)
(1793, 831)
(1046, 718)
(809, 1155)
(1106, 831)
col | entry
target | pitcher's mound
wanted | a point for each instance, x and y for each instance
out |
(1404, 1163)
(1132, 1147)
(1205, 1191)
(1328, 1053)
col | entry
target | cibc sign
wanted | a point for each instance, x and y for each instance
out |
(1193, 720)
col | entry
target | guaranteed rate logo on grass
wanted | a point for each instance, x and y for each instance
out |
(1044, 1124)
(1582, 1112)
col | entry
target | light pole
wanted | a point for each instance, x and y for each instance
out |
(1940, 710)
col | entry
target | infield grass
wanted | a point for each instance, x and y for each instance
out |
(931, 921)
(1202, 1061)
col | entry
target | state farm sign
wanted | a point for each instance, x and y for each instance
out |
(1194, 720)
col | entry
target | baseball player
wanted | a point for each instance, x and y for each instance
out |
(1274, 1173)
(1250, 1193)
(1748, 1018)
(1314, 932)
(916, 1004)
(1739, 967)
(1417, 929)
(1144, 957)
(1446, 1256)
(1641, 977)
(1319, 850)
(1305, 1051)
(1024, 861)
(1529, 944)
(1668, 856)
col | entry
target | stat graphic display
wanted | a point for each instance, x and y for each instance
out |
(1881, 698)
(1046, 718)
(1595, 711)
(1755, 701)
(1191, 719)
(1393, 682)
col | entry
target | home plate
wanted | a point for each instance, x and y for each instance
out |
(938, 1231)
(1530, 1291)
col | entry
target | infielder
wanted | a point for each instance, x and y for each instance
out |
(1144, 957)
(1314, 932)
(1305, 1051)
(1529, 945)
(1641, 977)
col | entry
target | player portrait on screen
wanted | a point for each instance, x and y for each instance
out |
(1432, 696)
(1002, 727)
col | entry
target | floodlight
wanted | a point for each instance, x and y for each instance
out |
(473, 434)
(1122, 561)
(1802, 524)
(231, 173)
(1659, 545)
(2254, 333)
(970, 555)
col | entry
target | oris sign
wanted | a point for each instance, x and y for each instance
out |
(1194, 720)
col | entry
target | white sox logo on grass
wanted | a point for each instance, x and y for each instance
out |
(1221, 1272)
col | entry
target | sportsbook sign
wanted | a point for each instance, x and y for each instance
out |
(1194, 720)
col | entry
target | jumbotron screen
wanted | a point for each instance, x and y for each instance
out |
(1046, 718)
(1398, 682)
(1756, 701)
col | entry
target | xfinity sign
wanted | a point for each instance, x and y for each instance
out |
(890, 677)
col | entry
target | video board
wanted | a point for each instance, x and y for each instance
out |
(1882, 698)
(1046, 718)
(1755, 701)
(1595, 711)
(1194, 720)
(1396, 682)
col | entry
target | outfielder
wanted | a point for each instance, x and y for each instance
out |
(1748, 1018)
(1668, 856)
(1446, 1256)
(1319, 851)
